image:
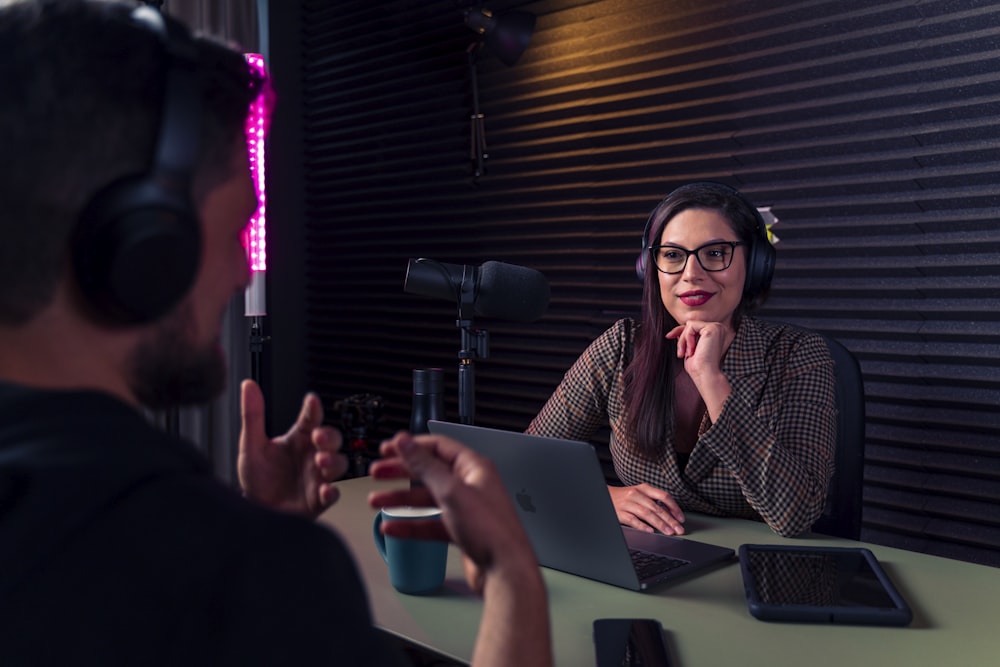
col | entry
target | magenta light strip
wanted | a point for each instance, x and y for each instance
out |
(256, 233)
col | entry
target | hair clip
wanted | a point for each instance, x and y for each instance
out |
(770, 220)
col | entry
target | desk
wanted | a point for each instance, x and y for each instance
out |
(956, 606)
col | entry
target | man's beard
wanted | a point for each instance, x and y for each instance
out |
(167, 370)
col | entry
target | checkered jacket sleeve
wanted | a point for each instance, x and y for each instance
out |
(590, 394)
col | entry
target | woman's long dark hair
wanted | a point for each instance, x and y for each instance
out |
(649, 378)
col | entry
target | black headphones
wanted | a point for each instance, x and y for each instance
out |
(760, 259)
(137, 243)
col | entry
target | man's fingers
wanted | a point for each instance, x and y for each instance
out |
(251, 412)
(328, 494)
(419, 460)
(327, 439)
(421, 529)
(310, 415)
(392, 468)
(414, 497)
(331, 465)
(426, 457)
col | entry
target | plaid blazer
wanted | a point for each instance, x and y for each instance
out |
(769, 456)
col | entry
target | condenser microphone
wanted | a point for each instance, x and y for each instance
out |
(499, 290)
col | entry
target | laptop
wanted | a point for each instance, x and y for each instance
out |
(562, 498)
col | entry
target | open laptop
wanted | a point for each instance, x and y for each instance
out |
(563, 501)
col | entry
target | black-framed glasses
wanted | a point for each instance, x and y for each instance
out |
(714, 256)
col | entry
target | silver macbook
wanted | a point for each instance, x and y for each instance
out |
(562, 497)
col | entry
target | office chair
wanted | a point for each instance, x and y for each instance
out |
(842, 515)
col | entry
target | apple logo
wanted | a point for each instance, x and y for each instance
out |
(524, 500)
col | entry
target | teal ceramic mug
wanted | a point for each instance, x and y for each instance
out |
(415, 566)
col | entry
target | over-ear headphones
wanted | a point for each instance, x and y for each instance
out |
(761, 255)
(137, 243)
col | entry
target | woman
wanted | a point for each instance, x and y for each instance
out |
(710, 410)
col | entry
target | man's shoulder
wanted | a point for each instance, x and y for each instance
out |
(183, 564)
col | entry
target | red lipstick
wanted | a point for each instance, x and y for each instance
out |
(695, 297)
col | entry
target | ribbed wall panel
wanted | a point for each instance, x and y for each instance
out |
(870, 128)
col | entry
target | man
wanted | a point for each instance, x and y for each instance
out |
(124, 194)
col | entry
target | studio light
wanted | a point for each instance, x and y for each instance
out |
(506, 36)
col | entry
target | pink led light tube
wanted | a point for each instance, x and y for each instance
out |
(256, 233)
(257, 241)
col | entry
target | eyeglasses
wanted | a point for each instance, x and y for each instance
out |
(715, 256)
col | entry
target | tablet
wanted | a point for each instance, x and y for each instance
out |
(812, 584)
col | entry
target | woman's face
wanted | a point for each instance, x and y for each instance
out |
(694, 293)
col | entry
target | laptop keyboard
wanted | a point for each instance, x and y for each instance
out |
(648, 564)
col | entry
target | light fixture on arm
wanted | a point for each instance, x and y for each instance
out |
(506, 36)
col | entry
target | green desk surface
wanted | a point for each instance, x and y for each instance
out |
(956, 606)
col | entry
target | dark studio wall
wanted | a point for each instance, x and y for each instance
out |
(869, 128)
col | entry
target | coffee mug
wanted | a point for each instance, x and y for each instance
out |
(415, 566)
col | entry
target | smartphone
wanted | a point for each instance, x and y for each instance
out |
(630, 642)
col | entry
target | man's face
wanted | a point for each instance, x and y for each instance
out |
(181, 360)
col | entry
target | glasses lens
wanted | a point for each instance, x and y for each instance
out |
(716, 257)
(670, 260)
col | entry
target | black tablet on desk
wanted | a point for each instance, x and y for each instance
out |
(819, 585)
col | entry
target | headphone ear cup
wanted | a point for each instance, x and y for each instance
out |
(137, 243)
(640, 261)
(136, 250)
(760, 266)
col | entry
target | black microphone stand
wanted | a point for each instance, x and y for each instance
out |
(257, 340)
(475, 345)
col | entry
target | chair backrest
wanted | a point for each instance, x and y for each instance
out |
(842, 515)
